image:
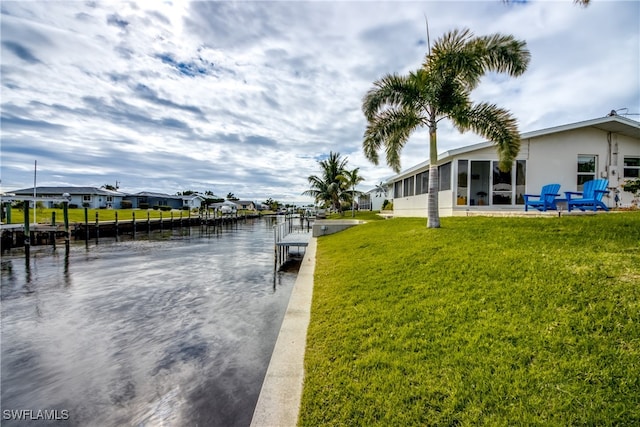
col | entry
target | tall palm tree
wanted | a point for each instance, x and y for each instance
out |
(352, 178)
(328, 187)
(441, 89)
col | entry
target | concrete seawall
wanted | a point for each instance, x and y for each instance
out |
(330, 226)
(279, 400)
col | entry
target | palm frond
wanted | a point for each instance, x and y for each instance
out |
(389, 91)
(390, 130)
(461, 56)
(495, 124)
(503, 54)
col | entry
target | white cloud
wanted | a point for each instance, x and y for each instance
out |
(243, 97)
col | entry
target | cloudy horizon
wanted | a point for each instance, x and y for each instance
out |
(246, 97)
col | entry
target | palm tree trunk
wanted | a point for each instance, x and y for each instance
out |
(353, 204)
(433, 214)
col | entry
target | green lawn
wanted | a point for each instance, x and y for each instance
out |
(487, 321)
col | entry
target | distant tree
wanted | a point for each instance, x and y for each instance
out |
(381, 190)
(232, 197)
(353, 178)
(110, 187)
(328, 188)
(273, 204)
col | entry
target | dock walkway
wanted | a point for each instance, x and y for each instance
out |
(287, 234)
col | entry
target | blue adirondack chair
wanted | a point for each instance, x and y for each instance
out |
(543, 201)
(591, 193)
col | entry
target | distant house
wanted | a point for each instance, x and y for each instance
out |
(192, 201)
(246, 205)
(146, 200)
(91, 197)
(569, 155)
(372, 200)
(225, 207)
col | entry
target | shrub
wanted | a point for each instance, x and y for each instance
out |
(143, 205)
(632, 186)
(164, 208)
(73, 206)
(86, 205)
(126, 204)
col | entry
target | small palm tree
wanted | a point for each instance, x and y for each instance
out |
(328, 187)
(441, 89)
(352, 178)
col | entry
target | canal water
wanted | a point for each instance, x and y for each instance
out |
(174, 329)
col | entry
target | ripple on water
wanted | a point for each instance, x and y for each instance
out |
(144, 332)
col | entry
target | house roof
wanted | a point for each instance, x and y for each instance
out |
(59, 191)
(192, 197)
(151, 194)
(612, 123)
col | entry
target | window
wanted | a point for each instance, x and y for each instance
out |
(479, 183)
(422, 182)
(444, 176)
(631, 167)
(397, 189)
(109, 199)
(502, 190)
(586, 169)
(86, 198)
(408, 187)
(521, 173)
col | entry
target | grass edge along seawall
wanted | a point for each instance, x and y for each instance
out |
(507, 321)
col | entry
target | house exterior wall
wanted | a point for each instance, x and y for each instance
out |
(93, 199)
(97, 201)
(192, 203)
(555, 158)
(372, 200)
(549, 158)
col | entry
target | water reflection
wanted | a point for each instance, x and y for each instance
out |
(173, 329)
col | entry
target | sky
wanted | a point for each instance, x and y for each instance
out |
(247, 97)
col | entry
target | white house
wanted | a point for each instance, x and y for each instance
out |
(373, 199)
(192, 201)
(246, 205)
(91, 197)
(569, 155)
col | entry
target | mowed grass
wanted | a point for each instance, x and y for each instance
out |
(486, 321)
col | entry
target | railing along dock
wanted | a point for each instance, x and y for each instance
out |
(287, 234)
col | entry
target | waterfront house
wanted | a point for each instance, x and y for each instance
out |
(226, 207)
(147, 200)
(192, 201)
(90, 197)
(246, 205)
(372, 200)
(569, 155)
